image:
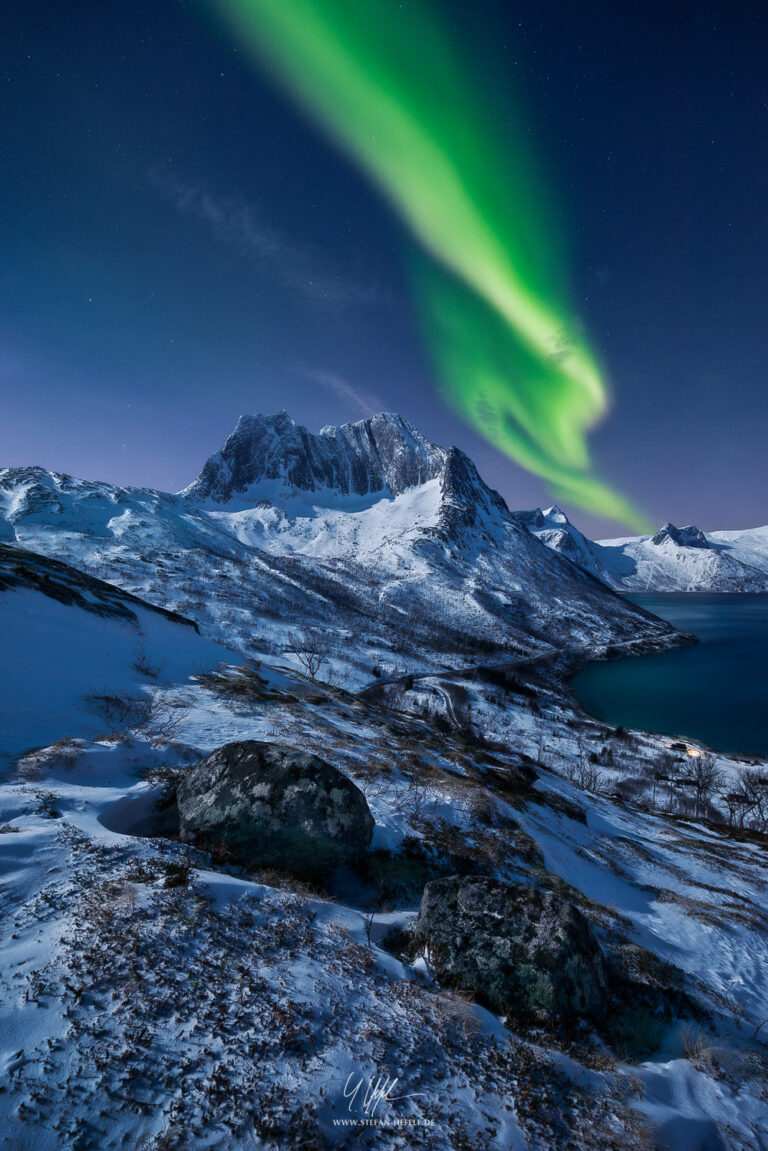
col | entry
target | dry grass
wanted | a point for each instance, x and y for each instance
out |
(697, 1044)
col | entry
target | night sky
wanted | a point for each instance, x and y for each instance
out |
(179, 244)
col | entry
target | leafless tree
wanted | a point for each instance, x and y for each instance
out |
(704, 778)
(586, 775)
(739, 805)
(698, 780)
(752, 798)
(312, 648)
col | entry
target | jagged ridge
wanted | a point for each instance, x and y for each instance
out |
(381, 454)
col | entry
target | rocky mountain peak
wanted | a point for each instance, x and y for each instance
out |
(383, 453)
(687, 537)
(530, 518)
(464, 493)
(555, 515)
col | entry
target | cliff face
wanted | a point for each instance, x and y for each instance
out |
(381, 454)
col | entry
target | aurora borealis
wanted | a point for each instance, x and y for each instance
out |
(184, 241)
(388, 86)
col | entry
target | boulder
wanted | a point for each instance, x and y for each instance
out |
(267, 805)
(524, 952)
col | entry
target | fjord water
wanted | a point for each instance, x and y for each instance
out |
(715, 691)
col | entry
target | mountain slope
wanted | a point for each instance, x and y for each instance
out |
(554, 529)
(67, 637)
(749, 546)
(394, 546)
(674, 559)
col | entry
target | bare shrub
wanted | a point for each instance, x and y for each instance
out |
(143, 664)
(411, 800)
(586, 775)
(64, 753)
(460, 1007)
(483, 808)
(177, 873)
(46, 805)
(736, 1008)
(145, 714)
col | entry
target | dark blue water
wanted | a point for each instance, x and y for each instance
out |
(715, 691)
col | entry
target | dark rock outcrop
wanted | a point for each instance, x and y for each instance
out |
(381, 454)
(689, 537)
(466, 498)
(267, 805)
(523, 951)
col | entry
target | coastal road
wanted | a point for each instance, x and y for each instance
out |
(506, 665)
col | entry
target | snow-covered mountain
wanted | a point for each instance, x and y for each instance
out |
(674, 559)
(395, 546)
(554, 529)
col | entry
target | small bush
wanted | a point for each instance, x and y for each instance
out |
(177, 873)
(144, 714)
(46, 806)
(143, 664)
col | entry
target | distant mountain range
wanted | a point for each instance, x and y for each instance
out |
(674, 559)
(394, 546)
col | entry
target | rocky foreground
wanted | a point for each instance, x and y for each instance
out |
(536, 965)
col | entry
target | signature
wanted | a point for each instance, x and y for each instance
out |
(369, 1097)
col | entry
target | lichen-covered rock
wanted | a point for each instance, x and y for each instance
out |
(523, 951)
(267, 805)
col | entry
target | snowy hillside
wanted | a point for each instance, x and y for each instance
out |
(366, 530)
(674, 559)
(69, 642)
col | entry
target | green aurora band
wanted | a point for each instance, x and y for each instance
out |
(384, 82)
